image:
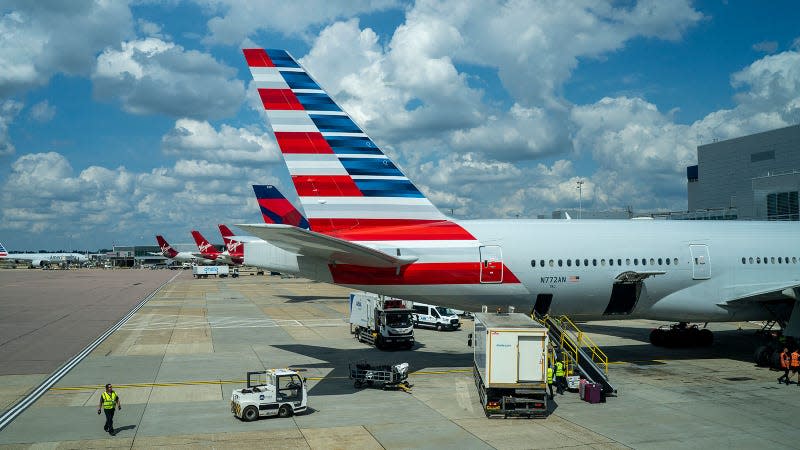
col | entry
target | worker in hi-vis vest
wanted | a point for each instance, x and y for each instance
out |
(561, 378)
(794, 364)
(784, 366)
(550, 381)
(108, 400)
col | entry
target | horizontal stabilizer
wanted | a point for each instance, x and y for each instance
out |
(310, 243)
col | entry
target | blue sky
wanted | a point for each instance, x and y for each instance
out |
(125, 120)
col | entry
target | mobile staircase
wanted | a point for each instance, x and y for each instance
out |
(578, 351)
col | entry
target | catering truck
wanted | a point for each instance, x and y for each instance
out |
(205, 271)
(510, 364)
(381, 321)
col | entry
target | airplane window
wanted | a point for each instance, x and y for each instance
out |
(611, 262)
(619, 261)
(644, 261)
(751, 260)
(594, 262)
(627, 262)
(541, 263)
(660, 262)
(560, 263)
(780, 260)
(602, 262)
(667, 261)
(743, 260)
(766, 260)
(675, 261)
(635, 261)
(758, 260)
(569, 263)
(533, 263)
(652, 262)
(794, 260)
(586, 262)
(772, 260)
(577, 263)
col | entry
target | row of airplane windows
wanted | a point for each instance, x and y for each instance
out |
(602, 262)
(769, 260)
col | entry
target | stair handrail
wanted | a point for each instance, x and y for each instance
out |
(582, 339)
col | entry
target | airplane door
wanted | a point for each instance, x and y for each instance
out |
(701, 269)
(491, 264)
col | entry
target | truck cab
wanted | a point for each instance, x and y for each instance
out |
(437, 317)
(274, 392)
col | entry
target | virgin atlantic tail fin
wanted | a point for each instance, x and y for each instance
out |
(166, 249)
(206, 249)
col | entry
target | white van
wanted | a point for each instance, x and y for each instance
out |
(437, 317)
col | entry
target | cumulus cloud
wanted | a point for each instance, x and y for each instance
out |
(8, 112)
(198, 139)
(766, 46)
(39, 39)
(43, 111)
(152, 76)
(237, 19)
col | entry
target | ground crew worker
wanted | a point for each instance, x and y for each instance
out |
(784, 366)
(561, 379)
(794, 364)
(109, 399)
(550, 381)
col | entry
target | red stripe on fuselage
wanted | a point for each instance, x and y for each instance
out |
(414, 274)
(302, 142)
(325, 186)
(279, 100)
(257, 57)
(391, 229)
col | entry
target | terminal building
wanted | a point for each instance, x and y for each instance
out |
(755, 177)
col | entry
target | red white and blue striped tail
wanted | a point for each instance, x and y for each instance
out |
(3, 252)
(346, 184)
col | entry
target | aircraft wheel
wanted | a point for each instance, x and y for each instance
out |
(657, 337)
(761, 355)
(775, 359)
(285, 411)
(250, 414)
(706, 337)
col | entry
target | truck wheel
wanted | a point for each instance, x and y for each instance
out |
(438, 327)
(250, 414)
(285, 411)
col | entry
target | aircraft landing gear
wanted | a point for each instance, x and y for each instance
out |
(681, 335)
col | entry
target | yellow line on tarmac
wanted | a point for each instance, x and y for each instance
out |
(221, 382)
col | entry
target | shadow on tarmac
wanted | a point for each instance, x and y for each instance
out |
(338, 381)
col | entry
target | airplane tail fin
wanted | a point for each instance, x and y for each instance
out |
(205, 247)
(346, 184)
(166, 249)
(275, 208)
(3, 251)
(234, 247)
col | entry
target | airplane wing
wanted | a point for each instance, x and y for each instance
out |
(308, 243)
(765, 292)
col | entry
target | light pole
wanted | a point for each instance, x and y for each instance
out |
(580, 197)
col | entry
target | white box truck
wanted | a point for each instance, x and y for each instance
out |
(205, 271)
(381, 321)
(510, 364)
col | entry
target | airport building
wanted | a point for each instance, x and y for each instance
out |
(755, 177)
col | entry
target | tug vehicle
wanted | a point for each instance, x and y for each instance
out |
(273, 392)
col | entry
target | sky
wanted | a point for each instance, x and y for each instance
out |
(122, 120)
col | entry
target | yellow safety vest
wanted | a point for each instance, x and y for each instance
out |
(549, 375)
(109, 400)
(559, 369)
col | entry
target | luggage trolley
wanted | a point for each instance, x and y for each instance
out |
(386, 376)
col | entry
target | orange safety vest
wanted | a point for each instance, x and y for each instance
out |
(784, 360)
(795, 359)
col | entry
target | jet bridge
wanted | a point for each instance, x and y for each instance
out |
(579, 351)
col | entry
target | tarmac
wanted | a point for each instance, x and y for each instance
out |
(175, 362)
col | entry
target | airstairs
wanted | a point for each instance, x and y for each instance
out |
(577, 350)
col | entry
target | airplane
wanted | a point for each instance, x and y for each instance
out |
(372, 229)
(231, 254)
(44, 259)
(233, 248)
(170, 253)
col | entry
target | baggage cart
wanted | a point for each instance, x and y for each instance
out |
(385, 376)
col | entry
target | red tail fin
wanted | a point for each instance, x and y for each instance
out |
(166, 249)
(235, 248)
(205, 247)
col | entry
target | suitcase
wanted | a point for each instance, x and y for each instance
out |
(582, 389)
(594, 393)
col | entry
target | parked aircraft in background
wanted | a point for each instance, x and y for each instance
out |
(168, 252)
(44, 259)
(374, 230)
(275, 208)
(233, 247)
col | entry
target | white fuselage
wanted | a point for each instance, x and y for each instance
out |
(703, 280)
